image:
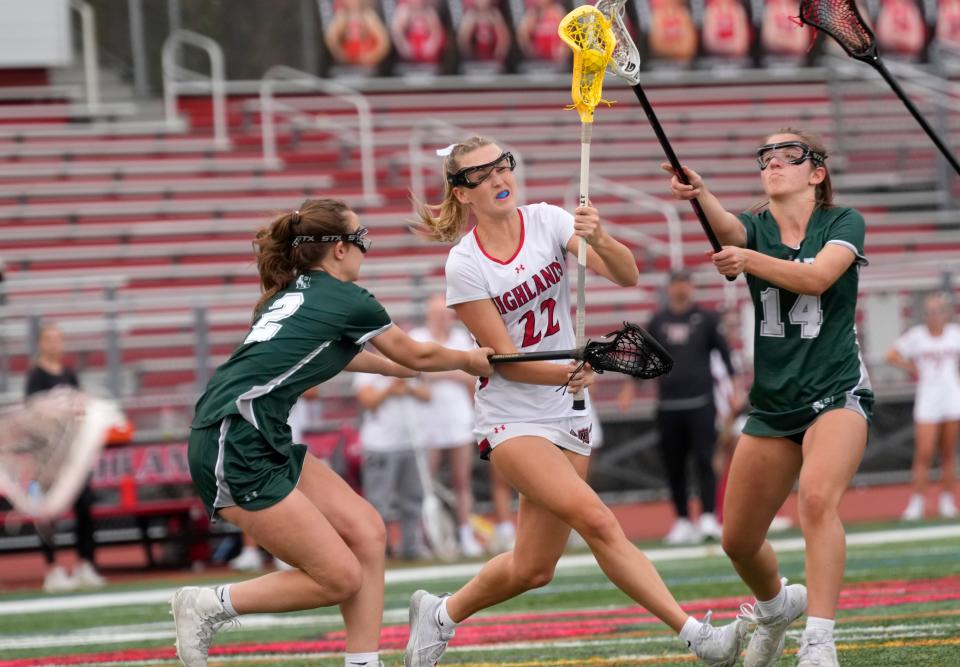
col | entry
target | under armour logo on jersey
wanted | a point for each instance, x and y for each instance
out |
(519, 267)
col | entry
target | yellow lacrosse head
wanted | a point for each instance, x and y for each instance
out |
(588, 34)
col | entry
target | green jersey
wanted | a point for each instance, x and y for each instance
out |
(304, 336)
(806, 355)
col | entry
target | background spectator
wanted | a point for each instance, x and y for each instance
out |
(672, 35)
(418, 34)
(930, 352)
(390, 479)
(900, 28)
(356, 36)
(483, 35)
(48, 371)
(726, 29)
(685, 404)
(537, 32)
(779, 33)
(948, 23)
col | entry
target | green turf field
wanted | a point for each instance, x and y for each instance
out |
(901, 606)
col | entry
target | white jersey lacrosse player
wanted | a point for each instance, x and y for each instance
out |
(938, 371)
(532, 294)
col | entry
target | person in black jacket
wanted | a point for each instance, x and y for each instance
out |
(686, 411)
(47, 372)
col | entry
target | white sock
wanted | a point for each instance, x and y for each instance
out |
(223, 592)
(815, 624)
(689, 630)
(774, 605)
(361, 659)
(443, 618)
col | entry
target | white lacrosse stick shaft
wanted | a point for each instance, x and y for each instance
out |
(586, 134)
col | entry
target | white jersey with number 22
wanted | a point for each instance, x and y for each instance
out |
(532, 294)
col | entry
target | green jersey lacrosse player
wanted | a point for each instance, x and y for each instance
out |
(311, 322)
(811, 400)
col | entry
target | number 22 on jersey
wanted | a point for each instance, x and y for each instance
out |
(269, 325)
(806, 313)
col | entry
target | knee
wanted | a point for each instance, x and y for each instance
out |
(813, 506)
(368, 534)
(740, 547)
(338, 583)
(535, 575)
(597, 523)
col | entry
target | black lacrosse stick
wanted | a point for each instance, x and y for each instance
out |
(630, 350)
(842, 20)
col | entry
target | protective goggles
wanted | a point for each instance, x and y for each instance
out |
(471, 177)
(357, 238)
(791, 152)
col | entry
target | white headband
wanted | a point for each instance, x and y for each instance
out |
(444, 152)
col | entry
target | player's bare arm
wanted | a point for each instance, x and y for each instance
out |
(729, 230)
(368, 362)
(605, 255)
(483, 321)
(423, 356)
(797, 277)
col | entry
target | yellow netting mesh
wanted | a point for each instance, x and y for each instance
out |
(587, 32)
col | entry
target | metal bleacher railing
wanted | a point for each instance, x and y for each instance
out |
(178, 306)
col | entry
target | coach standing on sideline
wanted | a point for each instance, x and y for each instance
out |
(686, 412)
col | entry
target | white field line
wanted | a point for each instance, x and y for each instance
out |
(467, 570)
(844, 635)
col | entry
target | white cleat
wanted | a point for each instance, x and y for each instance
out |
(719, 647)
(709, 527)
(85, 576)
(817, 649)
(249, 560)
(58, 581)
(197, 615)
(768, 640)
(946, 506)
(428, 639)
(683, 532)
(914, 509)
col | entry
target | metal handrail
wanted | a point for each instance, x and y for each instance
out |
(419, 158)
(88, 38)
(673, 249)
(269, 106)
(171, 81)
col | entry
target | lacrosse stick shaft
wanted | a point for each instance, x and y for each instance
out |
(586, 134)
(677, 168)
(879, 66)
(551, 355)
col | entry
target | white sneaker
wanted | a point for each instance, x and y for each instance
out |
(779, 524)
(914, 510)
(719, 647)
(282, 565)
(58, 581)
(709, 527)
(469, 546)
(504, 538)
(817, 649)
(946, 506)
(766, 644)
(249, 560)
(683, 532)
(428, 639)
(85, 576)
(197, 615)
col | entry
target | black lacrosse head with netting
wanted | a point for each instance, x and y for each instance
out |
(841, 20)
(631, 351)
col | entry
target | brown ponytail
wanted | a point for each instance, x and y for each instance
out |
(278, 261)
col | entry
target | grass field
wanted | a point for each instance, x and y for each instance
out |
(901, 606)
